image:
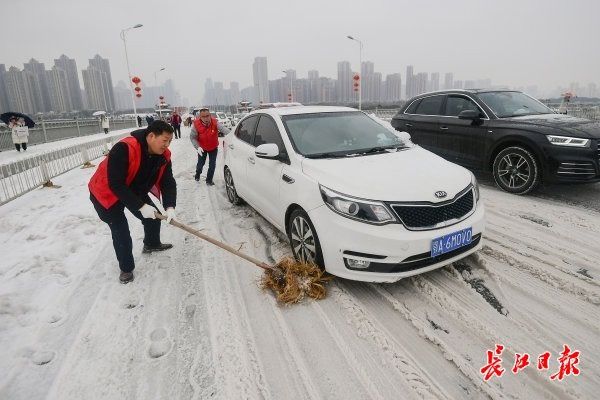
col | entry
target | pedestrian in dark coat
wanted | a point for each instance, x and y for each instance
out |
(135, 166)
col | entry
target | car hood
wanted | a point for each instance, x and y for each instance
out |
(413, 174)
(562, 124)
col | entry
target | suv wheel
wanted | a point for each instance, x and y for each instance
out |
(303, 239)
(232, 195)
(516, 170)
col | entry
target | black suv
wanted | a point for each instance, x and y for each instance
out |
(515, 136)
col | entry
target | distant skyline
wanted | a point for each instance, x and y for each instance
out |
(548, 44)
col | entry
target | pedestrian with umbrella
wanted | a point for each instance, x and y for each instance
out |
(19, 125)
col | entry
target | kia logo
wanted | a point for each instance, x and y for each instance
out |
(440, 194)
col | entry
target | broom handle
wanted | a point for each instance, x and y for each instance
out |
(222, 245)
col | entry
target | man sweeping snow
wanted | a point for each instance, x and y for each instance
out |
(135, 166)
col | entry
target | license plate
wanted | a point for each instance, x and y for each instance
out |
(451, 241)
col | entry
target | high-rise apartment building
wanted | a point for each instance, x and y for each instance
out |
(58, 86)
(434, 82)
(3, 95)
(345, 92)
(36, 74)
(449, 80)
(94, 82)
(70, 67)
(261, 79)
(410, 82)
(393, 87)
(18, 91)
(103, 65)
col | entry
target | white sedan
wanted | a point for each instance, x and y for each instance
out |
(353, 196)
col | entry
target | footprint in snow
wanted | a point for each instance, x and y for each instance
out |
(55, 317)
(160, 343)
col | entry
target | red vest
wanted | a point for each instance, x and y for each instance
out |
(99, 187)
(208, 136)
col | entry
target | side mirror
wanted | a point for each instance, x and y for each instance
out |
(269, 151)
(469, 114)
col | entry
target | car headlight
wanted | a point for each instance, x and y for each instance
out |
(475, 187)
(568, 141)
(363, 210)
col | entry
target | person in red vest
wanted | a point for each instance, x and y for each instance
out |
(205, 139)
(136, 166)
(176, 123)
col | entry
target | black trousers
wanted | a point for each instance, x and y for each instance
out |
(212, 163)
(18, 146)
(177, 131)
(119, 229)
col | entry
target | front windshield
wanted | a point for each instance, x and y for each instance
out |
(338, 134)
(513, 104)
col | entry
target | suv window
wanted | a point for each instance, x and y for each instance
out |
(245, 130)
(430, 106)
(267, 132)
(456, 104)
(413, 106)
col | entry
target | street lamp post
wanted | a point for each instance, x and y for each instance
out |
(128, 71)
(360, 70)
(291, 86)
(155, 72)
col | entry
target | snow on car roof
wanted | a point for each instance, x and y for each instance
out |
(303, 110)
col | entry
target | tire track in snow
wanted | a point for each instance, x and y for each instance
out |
(491, 249)
(371, 330)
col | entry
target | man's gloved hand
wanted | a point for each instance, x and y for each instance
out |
(148, 211)
(200, 151)
(170, 214)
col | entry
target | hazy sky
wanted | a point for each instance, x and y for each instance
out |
(528, 42)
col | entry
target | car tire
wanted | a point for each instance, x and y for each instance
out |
(516, 170)
(232, 195)
(309, 249)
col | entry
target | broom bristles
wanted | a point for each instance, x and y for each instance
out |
(291, 281)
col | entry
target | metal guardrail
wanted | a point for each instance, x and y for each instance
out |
(22, 176)
(53, 130)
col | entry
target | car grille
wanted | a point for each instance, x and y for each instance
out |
(581, 170)
(429, 216)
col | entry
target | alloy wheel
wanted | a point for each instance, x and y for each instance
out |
(303, 240)
(514, 170)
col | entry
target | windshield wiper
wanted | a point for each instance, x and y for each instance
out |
(326, 155)
(378, 149)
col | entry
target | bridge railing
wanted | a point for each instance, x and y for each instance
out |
(22, 176)
(53, 130)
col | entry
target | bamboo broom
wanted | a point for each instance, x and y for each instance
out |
(289, 280)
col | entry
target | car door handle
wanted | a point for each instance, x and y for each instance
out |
(230, 146)
(287, 179)
(408, 125)
(444, 128)
(251, 160)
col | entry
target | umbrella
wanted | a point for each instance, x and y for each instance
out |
(8, 115)
(98, 113)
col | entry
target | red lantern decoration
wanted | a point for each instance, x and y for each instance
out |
(137, 89)
(161, 97)
(356, 84)
(356, 89)
(138, 95)
(356, 77)
(136, 80)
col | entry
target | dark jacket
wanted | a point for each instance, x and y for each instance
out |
(131, 196)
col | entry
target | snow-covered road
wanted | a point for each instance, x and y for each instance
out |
(194, 325)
